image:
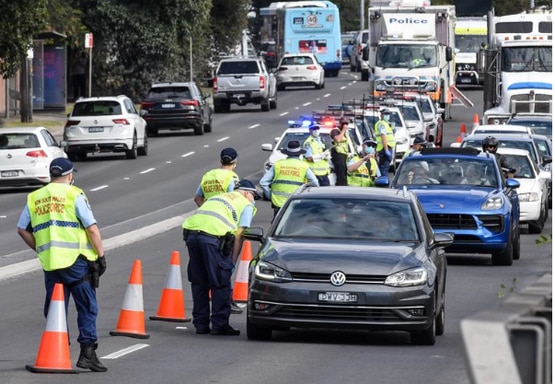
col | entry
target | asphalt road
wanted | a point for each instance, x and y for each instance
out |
(140, 205)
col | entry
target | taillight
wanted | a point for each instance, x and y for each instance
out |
(338, 54)
(359, 48)
(189, 102)
(311, 67)
(37, 153)
(69, 123)
(147, 104)
(262, 82)
(121, 121)
(283, 68)
(215, 84)
(329, 123)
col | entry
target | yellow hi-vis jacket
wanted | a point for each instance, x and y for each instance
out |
(389, 135)
(289, 175)
(317, 147)
(59, 235)
(217, 181)
(219, 214)
(361, 177)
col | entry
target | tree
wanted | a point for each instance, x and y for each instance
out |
(19, 21)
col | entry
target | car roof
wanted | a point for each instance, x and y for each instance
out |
(514, 151)
(516, 136)
(21, 129)
(354, 193)
(168, 84)
(532, 116)
(100, 98)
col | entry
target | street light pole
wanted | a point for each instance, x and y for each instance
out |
(362, 14)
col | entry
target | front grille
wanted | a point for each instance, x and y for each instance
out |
(451, 221)
(351, 279)
(539, 103)
(326, 313)
(493, 223)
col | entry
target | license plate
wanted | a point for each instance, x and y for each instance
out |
(239, 95)
(96, 129)
(9, 173)
(465, 80)
(168, 105)
(337, 297)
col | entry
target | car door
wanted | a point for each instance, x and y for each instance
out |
(53, 147)
(138, 122)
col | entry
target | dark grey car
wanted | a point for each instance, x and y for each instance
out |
(177, 106)
(348, 257)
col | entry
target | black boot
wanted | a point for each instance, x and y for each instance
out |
(89, 360)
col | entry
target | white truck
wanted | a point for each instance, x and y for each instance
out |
(411, 49)
(471, 36)
(519, 61)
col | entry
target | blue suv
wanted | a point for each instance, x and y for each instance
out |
(463, 192)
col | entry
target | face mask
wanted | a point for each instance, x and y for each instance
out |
(315, 133)
(386, 117)
(369, 150)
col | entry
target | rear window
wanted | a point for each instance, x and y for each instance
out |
(97, 108)
(297, 60)
(18, 140)
(232, 67)
(171, 92)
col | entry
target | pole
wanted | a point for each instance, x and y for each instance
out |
(362, 14)
(90, 71)
(190, 58)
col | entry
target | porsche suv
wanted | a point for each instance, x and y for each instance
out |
(177, 106)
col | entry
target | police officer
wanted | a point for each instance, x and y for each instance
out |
(340, 152)
(417, 145)
(213, 238)
(57, 223)
(363, 169)
(286, 176)
(386, 141)
(218, 180)
(317, 156)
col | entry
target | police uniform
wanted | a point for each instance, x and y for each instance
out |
(286, 176)
(316, 150)
(365, 174)
(56, 215)
(382, 127)
(219, 180)
(339, 155)
(208, 233)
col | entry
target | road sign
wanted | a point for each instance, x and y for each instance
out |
(88, 40)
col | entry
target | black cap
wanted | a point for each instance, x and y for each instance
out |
(313, 127)
(228, 156)
(61, 167)
(370, 142)
(247, 185)
(419, 140)
(293, 149)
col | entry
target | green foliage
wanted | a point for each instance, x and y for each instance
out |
(544, 240)
(19, 21)
(504, 290)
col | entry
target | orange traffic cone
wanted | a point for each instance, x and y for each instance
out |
(172, 303)
(53, 355)
(475, 121)
(131, 320)
(462, 134)
(241, 287)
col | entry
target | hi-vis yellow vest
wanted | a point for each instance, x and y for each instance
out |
(320, 167)
(219, 214)
(59, 235)
(361, 177)
(289, 175)
(389, 135)
(217, 181)
(342, 146)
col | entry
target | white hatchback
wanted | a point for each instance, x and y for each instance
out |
(301, 69)
(105, 124)
(25, 155)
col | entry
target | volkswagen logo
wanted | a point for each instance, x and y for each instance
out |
(337, 278)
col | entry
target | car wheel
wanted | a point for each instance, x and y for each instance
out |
(132, 153)
(72, 156)
(504, 257)
(323, 85)
(516, 246)
(537, 225)
(281, 87)
(143, 151)
(254, 332)
(426, 337)
(317, 86)
(273, 102)
(218, 108)
(199, 129)
(265, 105)
(208, 127)
(152, 132)
(440, 318)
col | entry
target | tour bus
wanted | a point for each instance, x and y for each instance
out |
(305, 27)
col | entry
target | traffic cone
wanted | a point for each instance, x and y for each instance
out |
(53, 355)
(131, 320)
(462, 134)
(241, 287)
(172, 303)
(475, 121)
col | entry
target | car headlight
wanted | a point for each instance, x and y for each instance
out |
(531, 196)
(492, 204)
(267, 271)
(381, 85)
(416, 276)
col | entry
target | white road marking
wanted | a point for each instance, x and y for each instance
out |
(188, 154)
(327, 95)
(254, 126)
(284, 113)
(223, 139)
(3, 217)
(147, 171)
(99, 188)
(342, 87)
(305, 104)
(125, 351)
(126, 178)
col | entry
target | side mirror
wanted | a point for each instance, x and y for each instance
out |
(253, 234)
(442, 240)
(546, 160)
(382, 182)
(448, 53)
(512, 183)
(267, 147)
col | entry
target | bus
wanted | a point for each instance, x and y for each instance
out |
(305, 27)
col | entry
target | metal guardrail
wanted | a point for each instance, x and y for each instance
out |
(512, 344)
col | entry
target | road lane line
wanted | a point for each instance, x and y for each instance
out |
(187, 154)
(284, 113)
(222, 139)
(254, 126)
(306, 104)
(327, 95)
(99, 188)
(125, 351)
(147, 171)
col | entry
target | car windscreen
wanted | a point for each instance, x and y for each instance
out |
(235, 67)
(410, 112)
(521, 165)
(169, 93)
(538, 127)
(348, 218)
(96, 108)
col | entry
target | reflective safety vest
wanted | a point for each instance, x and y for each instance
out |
(217, 181)
(59, 235)
(219, 214)
(289, 175)
(362, 177)
(342, 146)
(317, 147)
(389, 135)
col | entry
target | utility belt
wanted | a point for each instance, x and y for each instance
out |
(93, 277)
(225, 242)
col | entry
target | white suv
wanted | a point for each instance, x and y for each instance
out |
(105, 124)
